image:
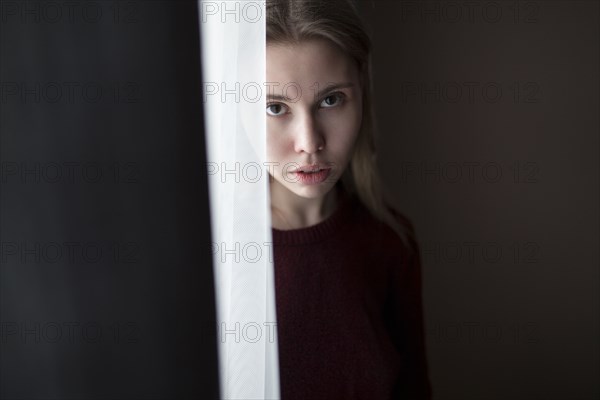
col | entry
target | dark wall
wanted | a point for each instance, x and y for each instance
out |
(489, 122)
(105, 287)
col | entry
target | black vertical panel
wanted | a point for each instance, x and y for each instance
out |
(105, 281)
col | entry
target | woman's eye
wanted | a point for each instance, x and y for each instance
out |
(332, 100)
(276, 109)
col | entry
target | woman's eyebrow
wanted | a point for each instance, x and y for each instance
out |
(328, 88)
(334, 86)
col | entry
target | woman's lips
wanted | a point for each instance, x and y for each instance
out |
(312, 178)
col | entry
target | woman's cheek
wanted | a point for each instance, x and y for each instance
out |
(277, 149)
(347, 129)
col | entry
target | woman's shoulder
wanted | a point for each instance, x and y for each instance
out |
(397, 230)
(394, 237)
(405, 234)
(402, 221)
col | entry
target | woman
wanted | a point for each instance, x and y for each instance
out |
(347, 267)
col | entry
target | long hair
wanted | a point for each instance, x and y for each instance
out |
(338, 21)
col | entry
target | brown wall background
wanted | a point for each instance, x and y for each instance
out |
(489, 119)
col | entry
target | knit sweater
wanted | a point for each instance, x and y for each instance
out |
(349, 310)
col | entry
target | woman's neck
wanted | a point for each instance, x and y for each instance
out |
(289, 211)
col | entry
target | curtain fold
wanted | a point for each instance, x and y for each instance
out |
(233, 68)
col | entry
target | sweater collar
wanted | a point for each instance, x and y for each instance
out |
(319, 232)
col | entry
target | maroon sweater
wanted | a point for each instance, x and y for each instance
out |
(349, 310)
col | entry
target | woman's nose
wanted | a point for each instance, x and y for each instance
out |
(309, 137)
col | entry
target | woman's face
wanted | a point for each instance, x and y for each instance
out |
(314, 113)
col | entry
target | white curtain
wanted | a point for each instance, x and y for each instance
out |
(233, 57)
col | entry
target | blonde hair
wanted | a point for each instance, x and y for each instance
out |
(338, 21)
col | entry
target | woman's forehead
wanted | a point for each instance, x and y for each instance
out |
(309, 63)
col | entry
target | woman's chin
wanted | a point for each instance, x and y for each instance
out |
(312, 191)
